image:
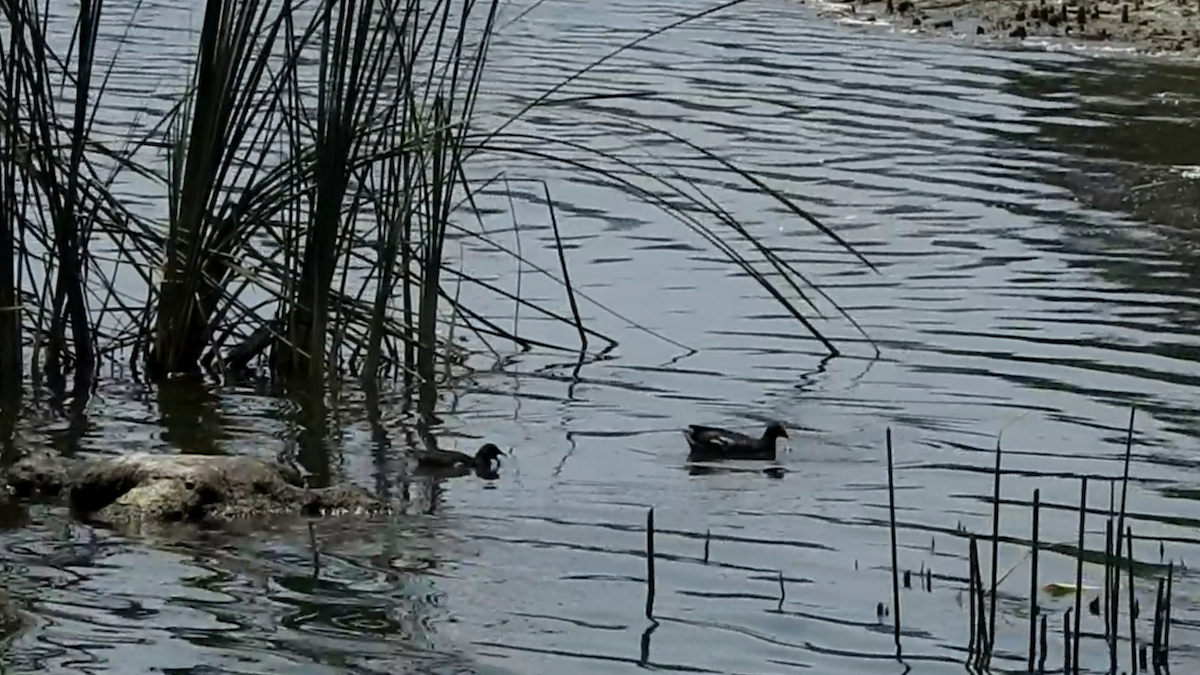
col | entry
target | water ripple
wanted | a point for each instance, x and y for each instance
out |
(1030, 285)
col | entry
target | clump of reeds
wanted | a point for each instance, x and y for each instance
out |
(305, 208)
(1118, 538)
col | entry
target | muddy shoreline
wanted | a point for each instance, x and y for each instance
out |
(1157, 27)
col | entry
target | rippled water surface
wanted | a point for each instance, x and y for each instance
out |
(1032, 217)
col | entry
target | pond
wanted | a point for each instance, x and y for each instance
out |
(1033, 220)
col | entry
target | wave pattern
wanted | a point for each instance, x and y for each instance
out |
(1020, 293)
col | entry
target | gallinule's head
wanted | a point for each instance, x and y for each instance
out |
(487, 454)
(776, 430)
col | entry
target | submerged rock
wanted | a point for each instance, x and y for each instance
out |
(174, 488)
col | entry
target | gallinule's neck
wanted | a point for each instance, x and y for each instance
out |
(774, 432)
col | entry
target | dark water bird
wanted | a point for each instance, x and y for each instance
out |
(483, 462)
(709, 443)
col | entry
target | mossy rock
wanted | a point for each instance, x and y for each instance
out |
(172, 488)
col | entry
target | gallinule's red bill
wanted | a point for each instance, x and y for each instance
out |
(710, 443)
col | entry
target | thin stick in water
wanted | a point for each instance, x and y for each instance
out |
(1133, 663)
(782, 592)
(1067, 641)
(1166, 637)
(984, 641)
(1079, 570)
(1112, 645)
(1033, 576)
(1042, 657)
(995, 550)
(562, 260)
(707, 542)
(1156, 644)
(1120, 530)
(973, 562)
(895, 564)
(650, 564)
(1112, 569)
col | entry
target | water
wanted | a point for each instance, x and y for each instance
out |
(1032, 218)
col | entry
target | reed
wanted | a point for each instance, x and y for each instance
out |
(1119, 532)
(1083, 489)
(984, 638)
(1042, 643)
(1166, 621)
(995, 551)
(973, 645)
(1033, 577)
(1068, 654)
(650, 577)
(1133, 613)
(1156, 645)
(895, 564)
(1108, 594)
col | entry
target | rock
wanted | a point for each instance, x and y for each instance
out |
(174, 488)
(1019, 33)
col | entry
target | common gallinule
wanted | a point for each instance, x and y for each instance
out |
(715, 443)
(452, 459)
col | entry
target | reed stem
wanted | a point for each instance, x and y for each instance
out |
(1120, 531)
(1067, 641)
(995, 552)
(1079, 572)
(1133, 645)
(1156, 644)
(1041, 668)
(650, 564)
(1033, 576)
(972, 563)
(1166, 638)
(985, 639)
(895, 563)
